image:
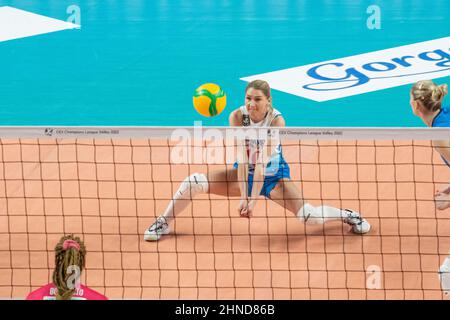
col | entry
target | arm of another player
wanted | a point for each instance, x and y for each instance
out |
(443, 147)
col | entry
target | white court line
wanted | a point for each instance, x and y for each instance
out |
(16, 24)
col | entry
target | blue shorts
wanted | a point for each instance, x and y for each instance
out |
(271, 178)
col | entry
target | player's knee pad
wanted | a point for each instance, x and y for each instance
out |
(191, 186)
(310, 214)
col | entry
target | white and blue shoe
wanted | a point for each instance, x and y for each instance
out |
(359, 225)
(157, 229)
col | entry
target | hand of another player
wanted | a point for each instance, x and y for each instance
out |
(442, 200)
(446, 190)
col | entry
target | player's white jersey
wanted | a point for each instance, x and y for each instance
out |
(254, 145)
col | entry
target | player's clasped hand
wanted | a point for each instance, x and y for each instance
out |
(246, 207)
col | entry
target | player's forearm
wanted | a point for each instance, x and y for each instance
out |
(242, 179)
(242, 169)
(258, 180)
(443, 147)
(259, 174)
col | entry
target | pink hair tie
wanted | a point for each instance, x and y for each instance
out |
(71, 244)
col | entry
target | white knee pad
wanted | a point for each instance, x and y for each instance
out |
(191, 186)
(310, 214)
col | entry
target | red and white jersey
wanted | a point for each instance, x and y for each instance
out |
(48, 292)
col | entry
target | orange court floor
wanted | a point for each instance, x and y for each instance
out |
(109, 191)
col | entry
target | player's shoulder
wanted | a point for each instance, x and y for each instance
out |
(278, 119)
(235, 118)
(442, 119)
(446, 111)
(278, 122)
(39, 293)
(91, 294)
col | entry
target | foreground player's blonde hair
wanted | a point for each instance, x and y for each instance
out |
(429, 94)
(70, 251)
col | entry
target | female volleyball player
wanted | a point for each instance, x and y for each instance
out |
(70, 255)
(251, 176)
(426, 103)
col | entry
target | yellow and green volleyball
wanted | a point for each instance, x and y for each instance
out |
(209, 100)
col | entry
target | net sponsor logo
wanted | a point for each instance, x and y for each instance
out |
(373, 71)
(76, 132)
(48, 132)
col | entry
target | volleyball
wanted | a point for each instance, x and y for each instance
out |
(209, 100)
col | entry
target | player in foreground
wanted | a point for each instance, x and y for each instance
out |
(254, 174)
(426, 103)
(70, 256)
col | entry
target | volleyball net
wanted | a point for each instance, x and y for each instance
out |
(107, 185)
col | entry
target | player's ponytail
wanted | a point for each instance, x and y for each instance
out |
(70, 253)
(429, 94)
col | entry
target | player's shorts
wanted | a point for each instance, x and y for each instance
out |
(275, 171)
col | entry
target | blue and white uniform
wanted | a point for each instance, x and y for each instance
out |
(277, 168)
(442, 119)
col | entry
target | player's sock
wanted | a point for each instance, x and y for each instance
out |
(321, 214)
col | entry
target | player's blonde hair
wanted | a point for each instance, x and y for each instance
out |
(429, 94)
(263, 86)
(70, 251)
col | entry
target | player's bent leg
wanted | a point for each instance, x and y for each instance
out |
(322, 214)
(287, 195)
(224, 183)
(191, 186)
